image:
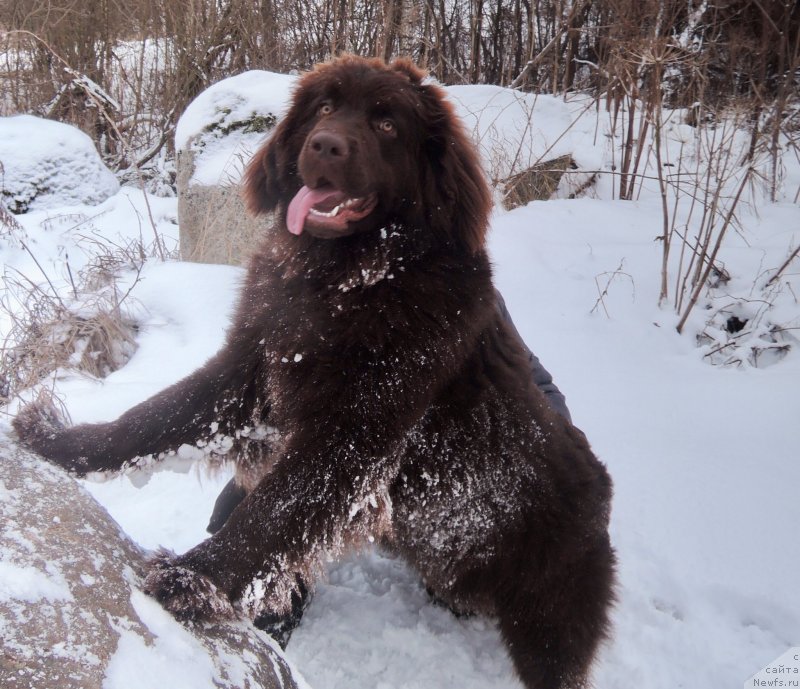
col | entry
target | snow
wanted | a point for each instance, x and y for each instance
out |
(226, 106)
(48, 164)
(172, 658)
(502, 122)
(30, 584)
(372, 624)
(182, 322)
(704, 458)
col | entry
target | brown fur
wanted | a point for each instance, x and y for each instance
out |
(399, 399)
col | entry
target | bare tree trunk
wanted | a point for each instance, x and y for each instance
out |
(339, 34)
(476, 27)
(534, 62)
(495, 75)
(576, 21)
(424, 45)
(393, 19)
(517, 41)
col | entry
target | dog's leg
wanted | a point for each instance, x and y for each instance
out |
(207, 402)
(553, 627)
(306, 510)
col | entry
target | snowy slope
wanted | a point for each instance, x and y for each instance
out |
(704, 458)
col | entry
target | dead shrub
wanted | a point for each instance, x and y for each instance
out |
(538, 183)
(9, 225)
(92, 331)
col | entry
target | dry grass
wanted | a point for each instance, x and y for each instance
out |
(9, 226)
(95, 339)
(538, 183)
(91, 331)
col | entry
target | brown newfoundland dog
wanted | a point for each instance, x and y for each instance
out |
(369, 389)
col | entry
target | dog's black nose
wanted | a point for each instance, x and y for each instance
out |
(328, 144)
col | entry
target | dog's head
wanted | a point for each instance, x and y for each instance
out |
(365, 145)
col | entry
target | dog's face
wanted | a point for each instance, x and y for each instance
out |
(359, 142)
(363, 145)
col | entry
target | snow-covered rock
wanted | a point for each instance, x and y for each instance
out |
(71, 612)
(215, 138)
(47, 164)
(225, 124)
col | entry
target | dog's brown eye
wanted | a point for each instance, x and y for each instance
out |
(387, 126)
(325, 109)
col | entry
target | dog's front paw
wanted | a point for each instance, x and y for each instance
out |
(40, 427)
(281, 626)
(187, 594)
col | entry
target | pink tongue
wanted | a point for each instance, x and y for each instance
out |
(302, 203)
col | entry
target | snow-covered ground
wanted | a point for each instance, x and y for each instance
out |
(704, 458)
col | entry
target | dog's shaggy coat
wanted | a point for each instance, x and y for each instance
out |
(372, 390)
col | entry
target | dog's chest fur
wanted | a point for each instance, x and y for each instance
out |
(347, 325)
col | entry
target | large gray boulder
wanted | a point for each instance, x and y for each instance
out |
(215, 138)
(215, 226)
(72, 615)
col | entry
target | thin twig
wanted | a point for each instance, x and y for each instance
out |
(785, 265)
(701, 283)
(604, 293)
(42, 271)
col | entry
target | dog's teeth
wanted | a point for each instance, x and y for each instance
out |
(326, 214)
(333, 213)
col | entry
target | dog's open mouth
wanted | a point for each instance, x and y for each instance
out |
(327, 208)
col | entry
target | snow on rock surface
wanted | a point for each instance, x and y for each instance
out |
(224, 125)
(72, 615)
(215, 137)
(47, 164)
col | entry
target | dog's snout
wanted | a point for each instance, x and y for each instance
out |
(329, 145)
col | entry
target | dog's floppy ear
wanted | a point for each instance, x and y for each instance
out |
(266, 176)
(408, 68)
(271, 176)
(458, 195)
